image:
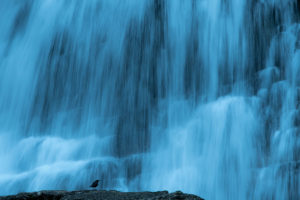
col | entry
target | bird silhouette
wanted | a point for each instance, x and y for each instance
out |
(94, 184)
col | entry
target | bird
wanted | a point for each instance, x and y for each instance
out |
(94, 184)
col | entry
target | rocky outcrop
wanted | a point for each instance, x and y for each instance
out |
(101, 194)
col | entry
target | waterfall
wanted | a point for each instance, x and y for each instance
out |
(201, 96)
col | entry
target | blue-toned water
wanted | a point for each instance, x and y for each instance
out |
(201, 96)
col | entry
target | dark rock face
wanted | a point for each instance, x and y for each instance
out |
(102, 194)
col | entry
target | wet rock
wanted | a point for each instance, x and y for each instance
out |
(263, 94)
(101, 194)
(278, 93)
(268, 76)
(295, 115)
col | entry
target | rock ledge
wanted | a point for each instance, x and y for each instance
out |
(99, 194)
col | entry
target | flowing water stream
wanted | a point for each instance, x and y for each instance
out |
(201, 96)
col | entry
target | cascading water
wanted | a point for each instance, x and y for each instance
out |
(194, 95)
